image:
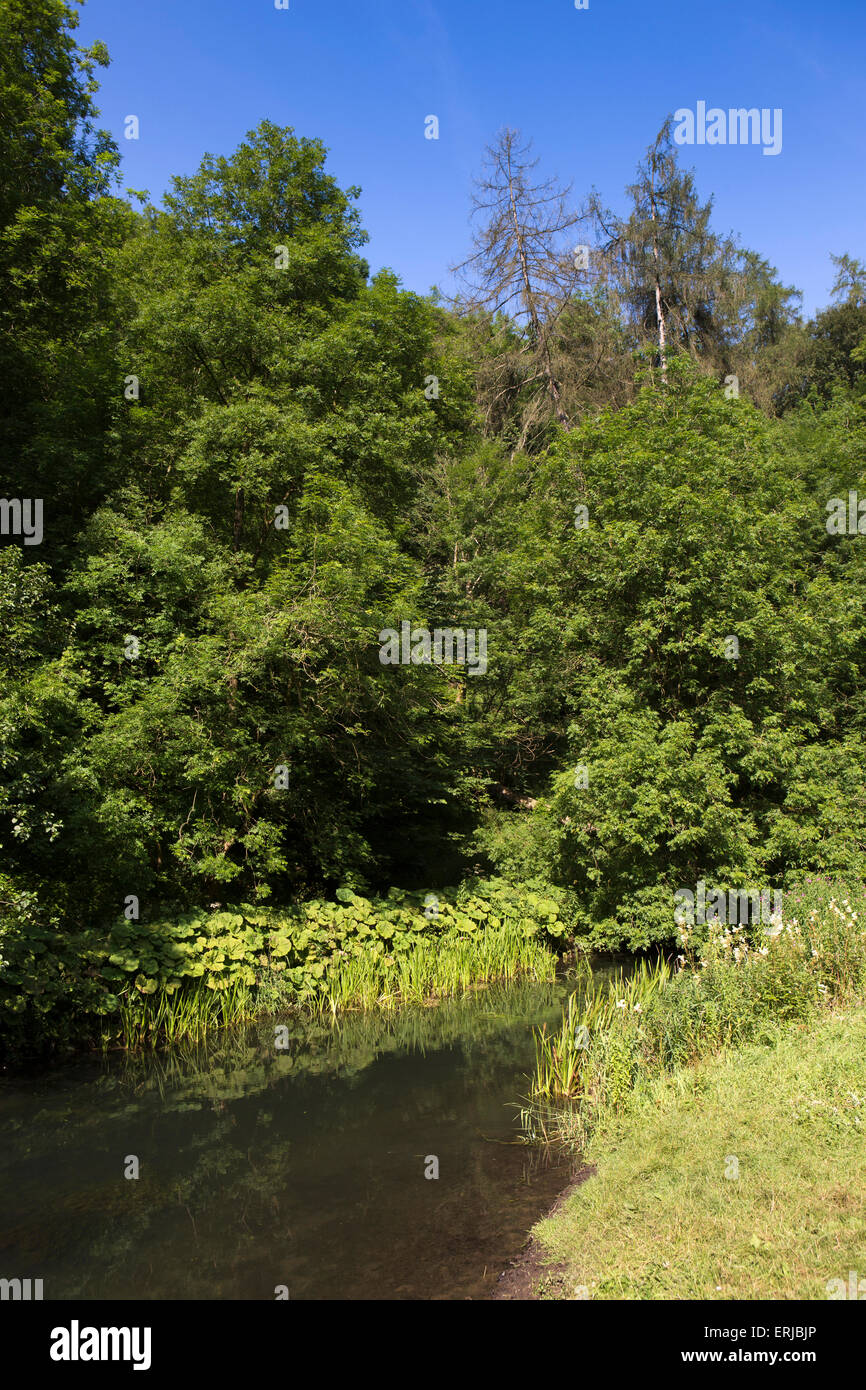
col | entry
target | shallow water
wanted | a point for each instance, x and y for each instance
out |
(305, 1168)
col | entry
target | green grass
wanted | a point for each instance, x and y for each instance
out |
(728, 991)
(661, 1220)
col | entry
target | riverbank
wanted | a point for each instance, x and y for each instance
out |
(149, 983)
(523, 1277)
(723, 1106)
(743, 1177)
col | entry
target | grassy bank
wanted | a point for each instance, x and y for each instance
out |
(743, 1177)
(723, 1100)
(730, 986)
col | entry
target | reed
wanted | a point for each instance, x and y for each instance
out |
(566, 1059)
(435, 968)
(733, 988)
(164, 1018)
(445, 967)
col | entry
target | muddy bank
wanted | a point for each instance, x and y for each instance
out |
(520, 1280)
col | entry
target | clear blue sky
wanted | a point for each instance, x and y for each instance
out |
(591, 88)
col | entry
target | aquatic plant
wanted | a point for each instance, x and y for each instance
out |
(144, 982)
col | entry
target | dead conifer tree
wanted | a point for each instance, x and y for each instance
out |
(522, 272)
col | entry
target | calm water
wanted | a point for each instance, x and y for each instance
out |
(302, 1168)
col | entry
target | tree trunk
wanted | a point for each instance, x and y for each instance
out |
(537, 332)
(660, 314)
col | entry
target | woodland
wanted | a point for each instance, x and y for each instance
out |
(617, 449)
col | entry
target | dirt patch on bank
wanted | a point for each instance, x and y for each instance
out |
(520, 1280)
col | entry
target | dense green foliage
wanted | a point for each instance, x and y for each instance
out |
(174, 977)
(254, 458)
(706, 522)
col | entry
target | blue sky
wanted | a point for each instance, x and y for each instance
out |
(591, 88)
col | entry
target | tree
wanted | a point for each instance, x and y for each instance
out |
(521, 272)
(276, 385)
(59, 227)
(672, 276)
(831, 357)
(706, 758)
(682, 287)
(850, 283)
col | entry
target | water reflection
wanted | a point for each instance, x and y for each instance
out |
(302, 1168)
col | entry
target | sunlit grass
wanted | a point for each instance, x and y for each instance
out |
(743, 1177)
(729, 991)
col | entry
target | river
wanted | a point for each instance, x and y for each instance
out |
(301, 1173)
